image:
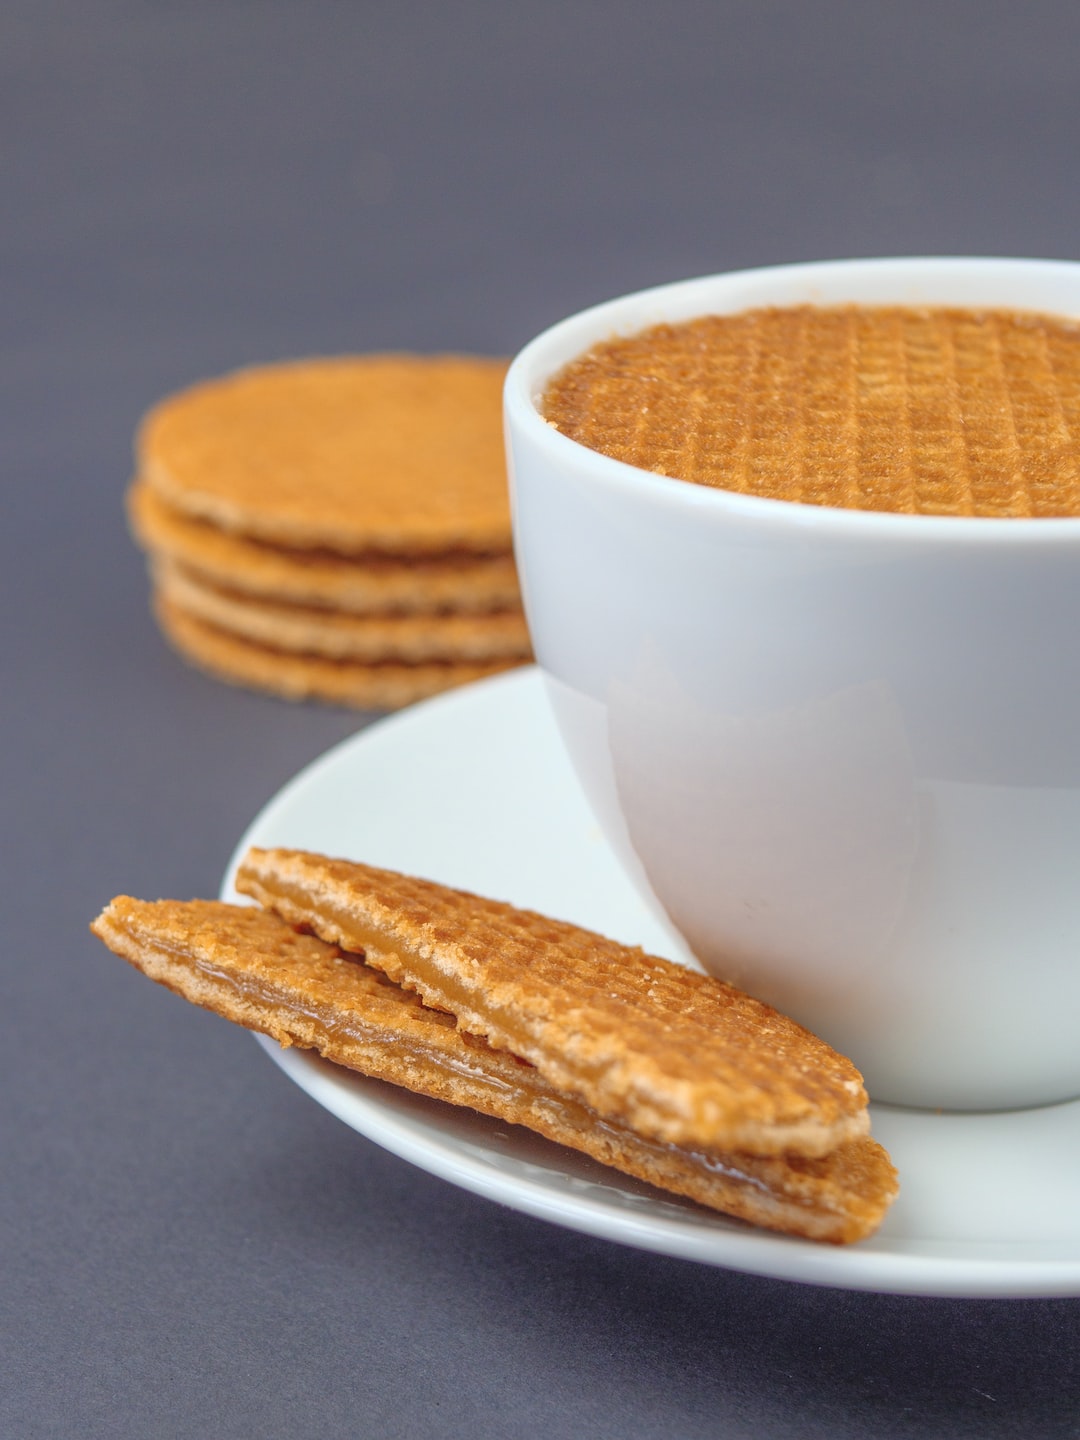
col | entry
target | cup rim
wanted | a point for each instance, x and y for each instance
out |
(559, 343)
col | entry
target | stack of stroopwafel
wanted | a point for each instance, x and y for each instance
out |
(334, 528)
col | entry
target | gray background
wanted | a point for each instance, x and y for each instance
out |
(190, 1246)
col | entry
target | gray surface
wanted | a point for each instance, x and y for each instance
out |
(190, 1247)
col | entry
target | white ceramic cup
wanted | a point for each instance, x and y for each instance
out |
(841, 748)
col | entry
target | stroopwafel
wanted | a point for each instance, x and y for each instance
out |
(335, 635)
(253, 968)
(933, 411)
(679, 1057)
(399, 454)
(378, 685)
(458, 582)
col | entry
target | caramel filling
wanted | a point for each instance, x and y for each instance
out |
(336, 1030)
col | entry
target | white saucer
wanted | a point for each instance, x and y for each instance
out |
(473, 789)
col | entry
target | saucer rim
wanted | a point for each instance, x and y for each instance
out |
(884, 1263)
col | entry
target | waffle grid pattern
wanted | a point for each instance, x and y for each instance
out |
(617, 1021)
(916, 411)
(252, 968)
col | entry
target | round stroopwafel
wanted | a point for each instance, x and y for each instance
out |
(401, 454)
(386, 686)
(933, 411)
(371, 639)
(363, 584)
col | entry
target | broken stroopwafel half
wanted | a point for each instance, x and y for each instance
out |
(253, 968)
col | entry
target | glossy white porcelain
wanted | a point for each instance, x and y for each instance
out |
(842, 749)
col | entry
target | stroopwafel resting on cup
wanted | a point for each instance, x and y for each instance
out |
(364, 488)
(252, 967)
(912, 409)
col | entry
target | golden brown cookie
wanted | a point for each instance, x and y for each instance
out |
(365, 584)
(254, 969)
(396, 453)
(932, 411)
(378, 686)
(370, 639)
(675, 1055)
